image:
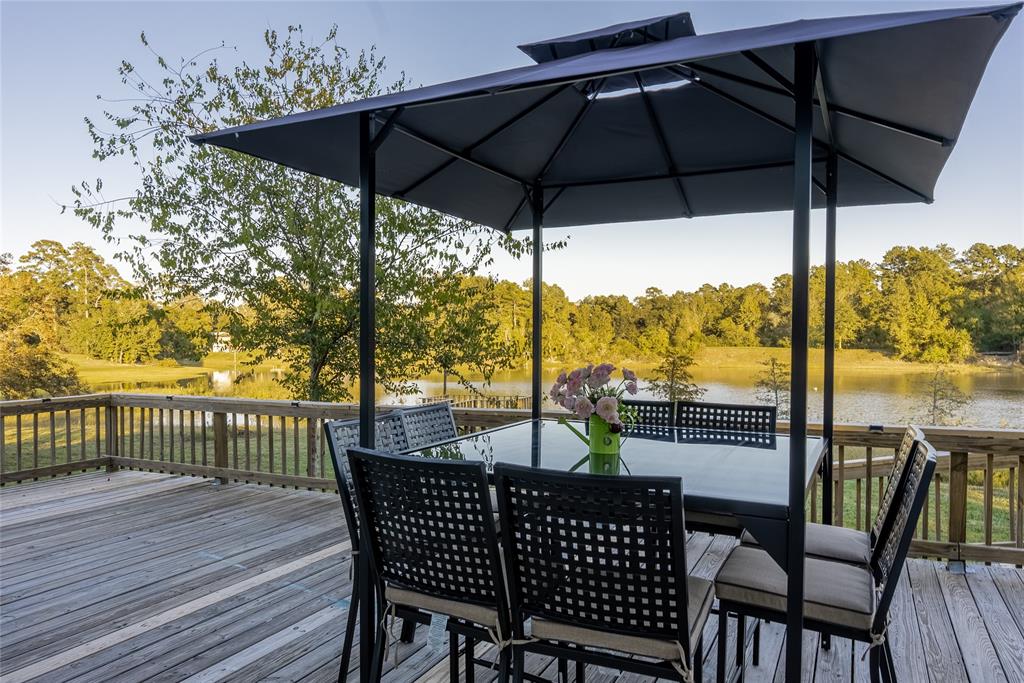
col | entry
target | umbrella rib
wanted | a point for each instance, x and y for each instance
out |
(469, 149)
(835, 108)
(681, 174)
(522, 202)
(842, 155)
(663, 144)
(389, 124)
(570, 130)
(769, 70)
(420, 137)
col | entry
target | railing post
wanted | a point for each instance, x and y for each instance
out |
(220, 443)
(957, 507)
(110, 436)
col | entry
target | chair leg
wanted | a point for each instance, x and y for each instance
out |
(757, 642)
(453, 657)
(826, 642)
(741, 640)
(563, 670)
(408, 631)
(581, 669)
(470, 656)
(698, 659)
(890, 663)
(875, 665)
(723, 632)
(377, 670)
(504, 659)
(346, 648)
(517, 665)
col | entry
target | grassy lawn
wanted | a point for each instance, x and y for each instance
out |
(100, 372)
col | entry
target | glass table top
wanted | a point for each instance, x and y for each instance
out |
(719, 470)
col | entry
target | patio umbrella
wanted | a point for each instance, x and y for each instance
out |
(758, 119)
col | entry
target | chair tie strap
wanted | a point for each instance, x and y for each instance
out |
(683, 665)
(877, 638)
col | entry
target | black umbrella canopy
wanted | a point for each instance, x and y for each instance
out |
(894, 90)
(627, 34)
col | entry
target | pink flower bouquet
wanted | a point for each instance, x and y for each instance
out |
(589, 391)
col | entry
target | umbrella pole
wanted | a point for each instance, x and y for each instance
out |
(367, 370)
(831, 199)
(802, 184)
(537, 207)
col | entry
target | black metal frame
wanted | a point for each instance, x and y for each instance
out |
(886, 579)
(382, 504)
(611, 502)
(653, 413)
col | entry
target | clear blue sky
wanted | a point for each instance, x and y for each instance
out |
(57, 57)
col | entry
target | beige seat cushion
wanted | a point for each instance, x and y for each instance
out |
(834, 593)
(701, 596)
(485, 616)
(835, 543)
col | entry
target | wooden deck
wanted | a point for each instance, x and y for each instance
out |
(137, 576)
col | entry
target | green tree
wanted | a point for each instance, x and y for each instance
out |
(673, 380)
(29, 369)
(943, 402)
(773, 384)
(261, 237)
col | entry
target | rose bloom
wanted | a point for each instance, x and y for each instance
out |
(629, 375)
(631, 388)
(584, 408)
(607, 409)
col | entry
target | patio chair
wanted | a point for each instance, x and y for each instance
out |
(840, 600)
(727, 417)
(842, 544)
(433, 549)
(598, 564)
(653, 413)
(726, 423)
(428, 425)
(342, 435)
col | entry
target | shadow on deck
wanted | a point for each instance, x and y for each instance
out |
(137, 576)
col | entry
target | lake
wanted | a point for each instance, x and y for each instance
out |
(997, 396)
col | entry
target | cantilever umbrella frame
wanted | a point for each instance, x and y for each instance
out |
(378, 118)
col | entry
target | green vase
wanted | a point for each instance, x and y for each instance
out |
(604, 447)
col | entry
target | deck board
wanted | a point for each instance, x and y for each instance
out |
(134, 576)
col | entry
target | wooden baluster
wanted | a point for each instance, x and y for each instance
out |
(937, 483)
(311, 434)
(220, 443)
(53, 438)
(97, 421)
(123, 451)
(868, 512)
(295, 446)
(259, 443)
(234, 440)
(248, 462)
(192, 430)
(151, 434)
(3, 443)
(67, 437)
(142, 433)
(269, 438)
(837, 499)
(1020, 501)
(17, 450)
(859, 509)
(988, 498)
(1012, 504)
(35, 440)
(203, 433)
(160, 421)
(284, 445)
(957, 500)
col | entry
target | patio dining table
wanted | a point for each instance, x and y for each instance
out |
(744, 474)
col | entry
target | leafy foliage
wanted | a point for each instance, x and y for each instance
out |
(30, 369)
(278, 247)
(673, 381)
(943, 402)
(773, 384)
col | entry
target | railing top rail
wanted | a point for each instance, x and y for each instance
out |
(972, 439)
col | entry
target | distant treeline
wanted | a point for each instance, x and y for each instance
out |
(920, 304)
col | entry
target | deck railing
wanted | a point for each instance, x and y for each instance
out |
(975, 510)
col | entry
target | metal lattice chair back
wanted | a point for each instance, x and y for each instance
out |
(888, 563)
(599, 552)
(899, 463)
(725, 416)
(427, 425)
(432, 526)
(342, 435)
(653, 413)
(389, 433)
